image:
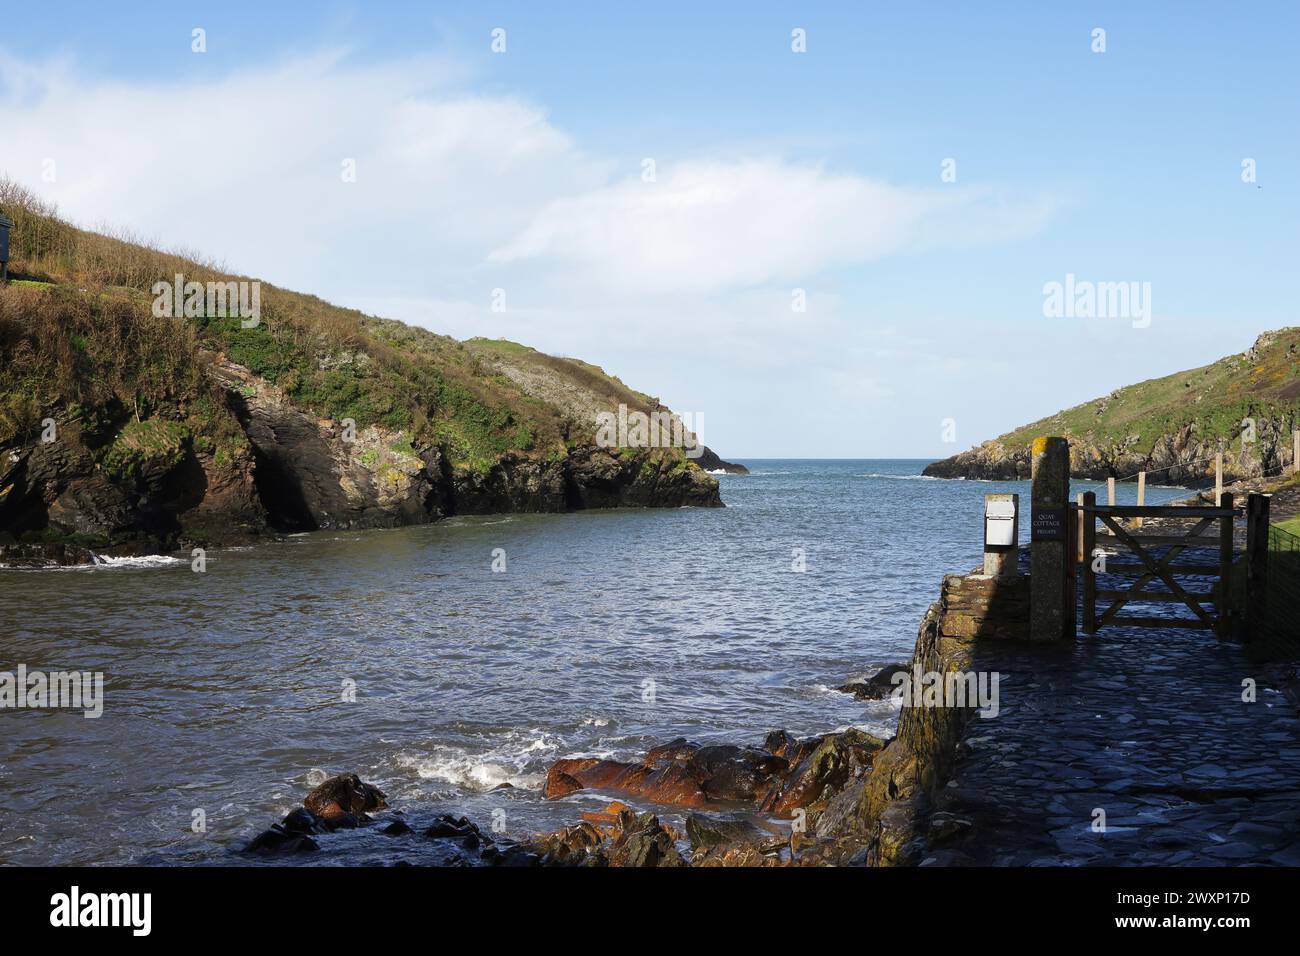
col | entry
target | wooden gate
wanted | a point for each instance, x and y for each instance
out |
(1209, 607)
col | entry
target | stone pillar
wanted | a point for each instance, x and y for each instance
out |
(1048, 542)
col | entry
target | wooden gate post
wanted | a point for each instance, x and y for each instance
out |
(1225, 566)
(1110, 497)
(1089, 575)
(1049, 541)
(1257, 508)
(1078, 534)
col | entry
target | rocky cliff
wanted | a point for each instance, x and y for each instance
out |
(1244, 405)
(126, 431)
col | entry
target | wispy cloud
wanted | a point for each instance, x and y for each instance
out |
(709, 226)
(681, 286)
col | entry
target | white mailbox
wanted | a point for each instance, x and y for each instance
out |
(1001, 520)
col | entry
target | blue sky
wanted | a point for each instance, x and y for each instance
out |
(774, 171)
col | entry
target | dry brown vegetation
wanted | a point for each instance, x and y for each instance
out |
(76, 330)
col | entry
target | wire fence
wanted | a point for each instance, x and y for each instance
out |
(1279, 624)
(1277, 470)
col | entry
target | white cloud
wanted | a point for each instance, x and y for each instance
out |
(710, 226)
(681, 287)
(247, 167)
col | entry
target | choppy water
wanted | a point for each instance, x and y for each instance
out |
(224, 690)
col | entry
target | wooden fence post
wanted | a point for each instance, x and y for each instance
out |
(1078, 534)
(1110, 500)
(1142, 495)
(1089, 576)
(1218, 475)
(1256, 562)
(1225, 565)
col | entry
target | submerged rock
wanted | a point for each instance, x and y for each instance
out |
(291, 835)
(878, 686)
(678, 773)
(277, 842)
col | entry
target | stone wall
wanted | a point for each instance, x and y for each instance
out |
(895, 804)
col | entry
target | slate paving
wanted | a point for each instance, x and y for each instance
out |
(1132, 747)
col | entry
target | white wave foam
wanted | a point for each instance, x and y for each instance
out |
(483, 771)
(144, 561)
(470, 772)
(101, 562)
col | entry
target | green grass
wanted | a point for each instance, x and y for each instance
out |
(102, 348)
(86, 339)
(1290, 525)
(142, 447)
(1212, 401)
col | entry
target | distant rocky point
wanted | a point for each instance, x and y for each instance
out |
(1245, 405)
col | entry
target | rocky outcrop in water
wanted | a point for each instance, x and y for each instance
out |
(709, 461)
(783, 776)
(1244, 406)
(158, 487)
(1183, 457)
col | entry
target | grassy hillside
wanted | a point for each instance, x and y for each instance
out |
(121, 429)
(1170, 427)
(1262, 383)
(77, 332)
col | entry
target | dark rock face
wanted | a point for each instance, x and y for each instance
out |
(710, 461)
(56, 489)
(604, 478)
(1179, 457)
(294, 473)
